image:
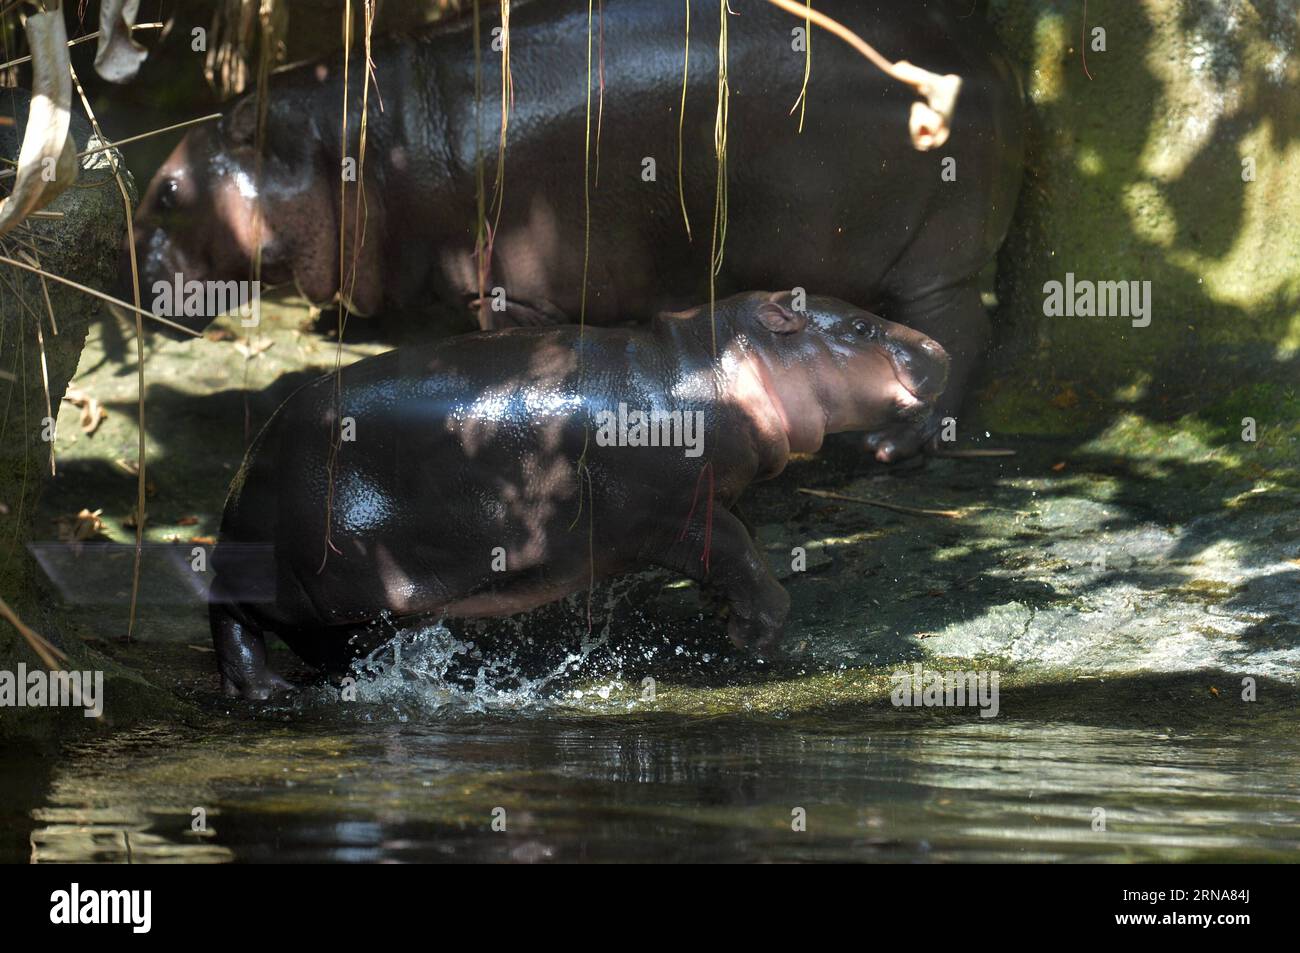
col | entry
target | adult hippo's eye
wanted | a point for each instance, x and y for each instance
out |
(168, 190)
(861, 328)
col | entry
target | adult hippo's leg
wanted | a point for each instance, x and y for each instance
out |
(955, 317)
(500, 314)
(717, 549)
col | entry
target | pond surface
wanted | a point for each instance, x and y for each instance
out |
(611, 782)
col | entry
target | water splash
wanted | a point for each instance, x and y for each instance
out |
(518, 665)
(431, 668)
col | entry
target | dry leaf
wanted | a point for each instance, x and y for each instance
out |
(85, 525)
(92, 411)
(1065, 399)
(118, 57)
(46, 147)
(252, 349)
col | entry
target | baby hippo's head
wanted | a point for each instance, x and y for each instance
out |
(831, 367)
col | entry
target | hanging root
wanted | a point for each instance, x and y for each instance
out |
(600, 108)
(931, 121)
(801, 103)
(360, 211)
(720, 195)
(1083, 41)
(586, 186)
(482, 230)
(507, 103)
(230, 40)
(336, 435)
(681, 122)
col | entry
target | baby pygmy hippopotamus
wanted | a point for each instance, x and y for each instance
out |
(487, 474)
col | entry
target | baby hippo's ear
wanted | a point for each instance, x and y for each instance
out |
(779, 319)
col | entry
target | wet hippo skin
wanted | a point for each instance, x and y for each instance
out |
(847, 207)
(481, 476)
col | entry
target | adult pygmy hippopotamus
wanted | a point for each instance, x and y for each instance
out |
(489, 473)
(846, 207)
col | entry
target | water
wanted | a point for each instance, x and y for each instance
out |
(582, 768)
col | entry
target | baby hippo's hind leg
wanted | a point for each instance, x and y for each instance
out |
(241, 656)
(759, 604)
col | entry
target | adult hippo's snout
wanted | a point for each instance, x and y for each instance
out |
(921, 367)
(157, 264)
(217, 225)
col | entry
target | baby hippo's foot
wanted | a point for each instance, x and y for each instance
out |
(759, 625)
(256, 687)
(241, 653)
(739, 572)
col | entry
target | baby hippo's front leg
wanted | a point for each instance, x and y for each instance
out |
(759, 604)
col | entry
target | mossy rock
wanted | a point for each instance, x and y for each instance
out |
(83, 246)
(1170, 159)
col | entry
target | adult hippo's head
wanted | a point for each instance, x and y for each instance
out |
(220, 203)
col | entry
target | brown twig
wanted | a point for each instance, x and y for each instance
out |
(94, 293)
(896, 507)
(8, 173)
(49, 654)
(973, 454)
(139, 353)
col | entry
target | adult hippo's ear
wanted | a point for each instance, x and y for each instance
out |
(240, 124)
(779, 319)
(299, 195)
(287, 134)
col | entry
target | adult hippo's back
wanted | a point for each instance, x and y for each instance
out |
(846, 208)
